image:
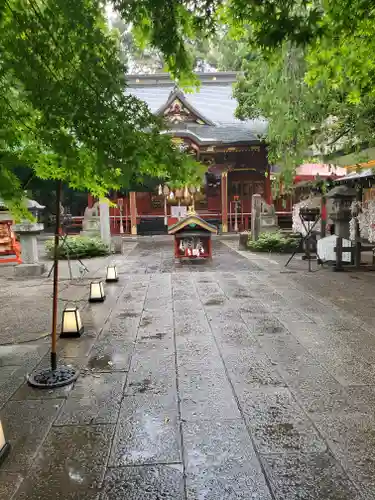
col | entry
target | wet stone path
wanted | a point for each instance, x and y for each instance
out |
(213, 381)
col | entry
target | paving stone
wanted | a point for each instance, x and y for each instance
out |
(147, 431)
(69, 465)
(264, 324)
(351, 437)
(145, 482)
(109, 355)
(27, 392)
(99, 385)
(233, 334)
(26, 424)
(26, 356)
(9, 484)
(311, 477)
(75, 348)
(277, 423)
(123, 326)
(96, 399)
(155, 373)
(85, 411)
(248, 369)
(221, 462)
(283, 349)
(11, 378)
(156, 321)
(206, 395)
(192, 323)
(315, 389)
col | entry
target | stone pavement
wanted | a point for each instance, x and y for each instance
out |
(213, 381)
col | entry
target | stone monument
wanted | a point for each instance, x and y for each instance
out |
(91, 222)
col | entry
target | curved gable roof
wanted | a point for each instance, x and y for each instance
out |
(213, 103)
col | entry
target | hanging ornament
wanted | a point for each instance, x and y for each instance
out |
(186, 193)
(171, 195)
(160, 190)
(198, 189)
(192, 189)
(165, 190)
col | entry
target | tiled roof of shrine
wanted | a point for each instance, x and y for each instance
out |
(213, 103)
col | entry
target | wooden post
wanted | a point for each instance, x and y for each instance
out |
(224, 201)
(55, 294)
(133, 212)
(358, 245)
(323, 220)
(338, 266)
(256, 203)
(268, 189)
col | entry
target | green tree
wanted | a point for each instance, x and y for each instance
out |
(64, 112)
(324, 99)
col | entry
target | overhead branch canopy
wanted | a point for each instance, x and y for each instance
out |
(63, 107)
(313, 77)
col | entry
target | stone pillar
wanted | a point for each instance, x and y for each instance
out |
(224, 201)
(256, 205)
(133, 212)
(105, 227)
(30, 266)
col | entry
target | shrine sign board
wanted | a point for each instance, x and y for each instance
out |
(192, 237)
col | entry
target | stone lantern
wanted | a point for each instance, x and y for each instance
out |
(28, 232)
(35, 208)
(342, 197)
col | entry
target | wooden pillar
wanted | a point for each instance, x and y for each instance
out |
(323, 213)
(224, 201)
(133, 212)
(268, 189)
(90, 201)
(358, 245)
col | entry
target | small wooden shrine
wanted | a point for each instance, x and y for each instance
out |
(192, 237)
(10, 250)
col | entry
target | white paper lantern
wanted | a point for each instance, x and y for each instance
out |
(111, 274)
(97, 292)
(4, 445)
(71, 325)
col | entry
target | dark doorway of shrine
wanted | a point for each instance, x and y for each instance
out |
(242, 184)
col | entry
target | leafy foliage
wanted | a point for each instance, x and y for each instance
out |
(79, 247)
(273, 242)
(64, 112)
(309, 66)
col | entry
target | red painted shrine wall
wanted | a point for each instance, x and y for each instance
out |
(248, 175)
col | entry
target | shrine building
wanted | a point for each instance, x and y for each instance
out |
(204, 123)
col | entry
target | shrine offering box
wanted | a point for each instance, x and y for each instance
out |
(192, 238)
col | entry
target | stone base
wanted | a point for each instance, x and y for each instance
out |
(117, 244)
(269, 229)
(90, 234)
(29, 270)
(243, 239)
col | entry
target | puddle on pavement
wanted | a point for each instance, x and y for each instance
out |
(142, 386)
(128, 314)
(147, 320)
(158, 336)
(98, 362)
(214, 302)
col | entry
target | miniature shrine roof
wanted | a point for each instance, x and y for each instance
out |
(208, 115)
(191, 219)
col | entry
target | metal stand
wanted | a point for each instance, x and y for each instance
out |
(305, 242)
(54, 376)
(64, 243)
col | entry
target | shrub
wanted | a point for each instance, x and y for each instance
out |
(274, 242)
(79, 247)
